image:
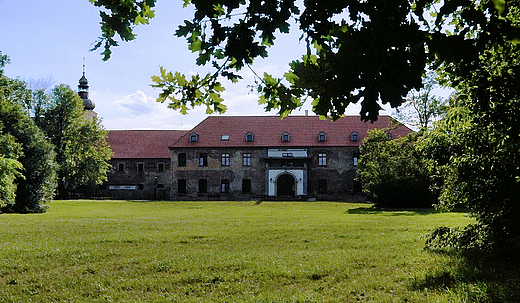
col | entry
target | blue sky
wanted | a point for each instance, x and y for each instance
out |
(50, 39)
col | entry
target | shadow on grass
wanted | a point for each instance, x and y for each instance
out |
(476, 278)
(391, 211)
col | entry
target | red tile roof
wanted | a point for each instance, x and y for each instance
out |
(267, 131)
(142, 143)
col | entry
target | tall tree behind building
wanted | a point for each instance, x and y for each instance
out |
(82, 150)
(422, 107)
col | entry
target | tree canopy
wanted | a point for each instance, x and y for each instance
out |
(422, 107)
(475, 152)
(82, 152)
(27, 157)
(370, 52)
(29, 146)
(394, 171)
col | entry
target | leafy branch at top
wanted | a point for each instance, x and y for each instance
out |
(371, 52)
(182, 92)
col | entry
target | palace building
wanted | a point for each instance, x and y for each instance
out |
(243, 158)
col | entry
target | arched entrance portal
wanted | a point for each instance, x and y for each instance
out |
(285, 185)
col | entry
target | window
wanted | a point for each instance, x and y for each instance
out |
(121, 166)
(224, 186)
(322, 186)
(224, 138)
(225, 160)
(160, 186)
(389, 135)
(140, 186)
(203, 186)
(354, 137)
(322, 137)
(250, 137)
(160, 167)
(194, 137)
(246, 159)
(181, 160)
(181, 186)
(356, 157)
(203, 159)
(246, 186)
(140, 166)
(286, 137)
(322, 159)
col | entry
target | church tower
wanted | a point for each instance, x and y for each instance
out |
(88, 104)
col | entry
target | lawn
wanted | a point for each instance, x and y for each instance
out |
(123, 251)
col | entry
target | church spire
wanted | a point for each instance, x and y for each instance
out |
(83, 91)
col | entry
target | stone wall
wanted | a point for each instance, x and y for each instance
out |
(137, 179)
(214, 172)
(338, 174)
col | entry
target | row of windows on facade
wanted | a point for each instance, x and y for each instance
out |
(285, 137)
(161, 167)
(225, 159)
(225, 184)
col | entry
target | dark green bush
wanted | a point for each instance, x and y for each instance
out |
(394, 172)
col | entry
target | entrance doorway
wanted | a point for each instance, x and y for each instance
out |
(286, 185)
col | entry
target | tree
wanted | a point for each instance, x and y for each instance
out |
(82, 150)
(475, 154)
(27, 174)
(421, 107)
(393, 170)
(10, 168)
(40, 97)
(10, 152)
(369, 52)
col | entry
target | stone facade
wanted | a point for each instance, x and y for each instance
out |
(322, 174)
(249, 158)
(138, 179)
(141, 165)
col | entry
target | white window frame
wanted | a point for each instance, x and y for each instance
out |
(225, 159)
(322, 159)
(246, 159)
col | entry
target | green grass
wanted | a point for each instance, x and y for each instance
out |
(122, 251)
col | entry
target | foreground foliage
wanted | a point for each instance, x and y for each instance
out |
(86, 251)
(357, 51)
(475, 153)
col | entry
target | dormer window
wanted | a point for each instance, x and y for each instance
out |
(250, 137)
(322, 137)
(286, 137)
(224, 138)
(194, 137)
(354, 136)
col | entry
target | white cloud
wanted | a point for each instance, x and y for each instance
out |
(138, 104)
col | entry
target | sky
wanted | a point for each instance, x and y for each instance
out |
(51, 40)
